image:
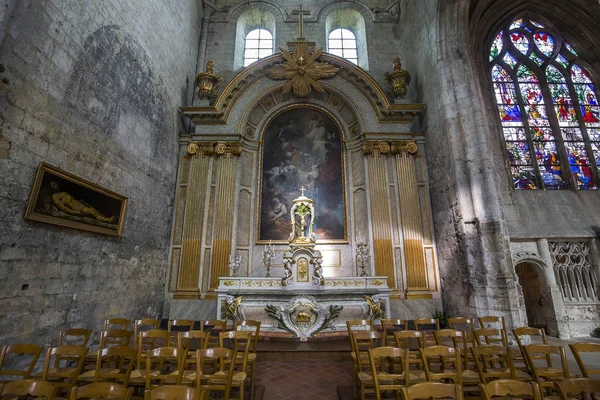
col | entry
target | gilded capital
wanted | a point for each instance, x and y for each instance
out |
(373, 147)
(200, 148)
(401, 146)
(228, 148)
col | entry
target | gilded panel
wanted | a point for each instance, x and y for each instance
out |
(425, 215)
(394, 220)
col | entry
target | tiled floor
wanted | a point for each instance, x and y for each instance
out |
(303, 380)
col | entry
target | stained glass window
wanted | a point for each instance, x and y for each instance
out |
(548, 107)
(259, 44)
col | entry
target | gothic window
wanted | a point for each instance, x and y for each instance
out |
(574, 272)
(548, 107)
(259, 44)
(342, 42)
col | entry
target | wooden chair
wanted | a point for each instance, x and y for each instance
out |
(359, 325)
(147, 340)
(494, 322)
(17, 354)
(164, 366)
(360, 342)
(239, 341)
(383, 375)
(28, 388)
(215, 370)
(254, 328)
(433, 390)
(490, 336)
(141, 325)
(213, 327)
(464, 324)
(112, 364)
(175, 392)
(425, 325)
(389, 326)
(508, 387)
(568, 388)
(412, 341)
(545, 375)
(520, 335)
(101, 390)
(114, 337)
(64, 376)
(80, 336)
(493, 362)
(178, 325)
(458, 339)
(442, 363)
(116, 324)
(578, 349)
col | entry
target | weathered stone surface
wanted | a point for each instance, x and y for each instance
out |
(92, 88)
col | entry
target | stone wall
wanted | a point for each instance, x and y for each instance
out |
(92, 88)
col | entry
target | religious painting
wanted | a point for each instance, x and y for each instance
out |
(302, 148)
(61, 198)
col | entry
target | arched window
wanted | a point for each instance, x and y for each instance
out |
(346, 36)
(548, 107)
(342, 42)
(258, 44)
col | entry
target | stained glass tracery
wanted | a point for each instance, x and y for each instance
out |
(548, 106)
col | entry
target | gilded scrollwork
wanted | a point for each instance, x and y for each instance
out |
(373, 147)
(211, 148)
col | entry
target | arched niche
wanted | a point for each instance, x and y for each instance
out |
(263, 109)
(352, 20)
(248, 20)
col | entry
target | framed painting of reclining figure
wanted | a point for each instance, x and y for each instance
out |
(61, 198)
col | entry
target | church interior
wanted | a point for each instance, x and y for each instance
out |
(334, 199)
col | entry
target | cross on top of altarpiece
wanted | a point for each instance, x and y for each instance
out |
(301, 12)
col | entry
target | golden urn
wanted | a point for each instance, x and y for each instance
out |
(398, 79)
(207, 82)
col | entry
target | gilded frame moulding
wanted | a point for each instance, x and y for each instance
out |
(60, 198)
(263, 130)
(384, 110)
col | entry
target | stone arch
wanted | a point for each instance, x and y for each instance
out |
(249, 19)
(354, 21)
(537, 296)
(357, 6)
(277, 10)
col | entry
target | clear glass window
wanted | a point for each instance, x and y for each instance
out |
(259, 44)
(342, 43)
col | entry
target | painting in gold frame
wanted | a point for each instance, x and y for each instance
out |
(61, 198)
(302, 146)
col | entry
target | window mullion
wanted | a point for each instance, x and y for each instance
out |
(583, 128)
(555, 127)
(525, 121)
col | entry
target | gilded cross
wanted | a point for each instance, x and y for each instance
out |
(302, 189)
(300, 13)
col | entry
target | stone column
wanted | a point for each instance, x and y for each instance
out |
(380, 210)
(412, 224)
(196, 177)
(200, 63)
(226, 165)
(595, 252)
(557, 313)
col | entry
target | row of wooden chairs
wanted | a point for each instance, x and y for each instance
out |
(100, 390)
(479, 363)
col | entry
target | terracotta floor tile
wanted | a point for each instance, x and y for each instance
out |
(303, 380)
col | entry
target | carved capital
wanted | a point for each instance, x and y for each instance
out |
(214, 148)
(228, 148)
(401, 146)
(375, 147)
